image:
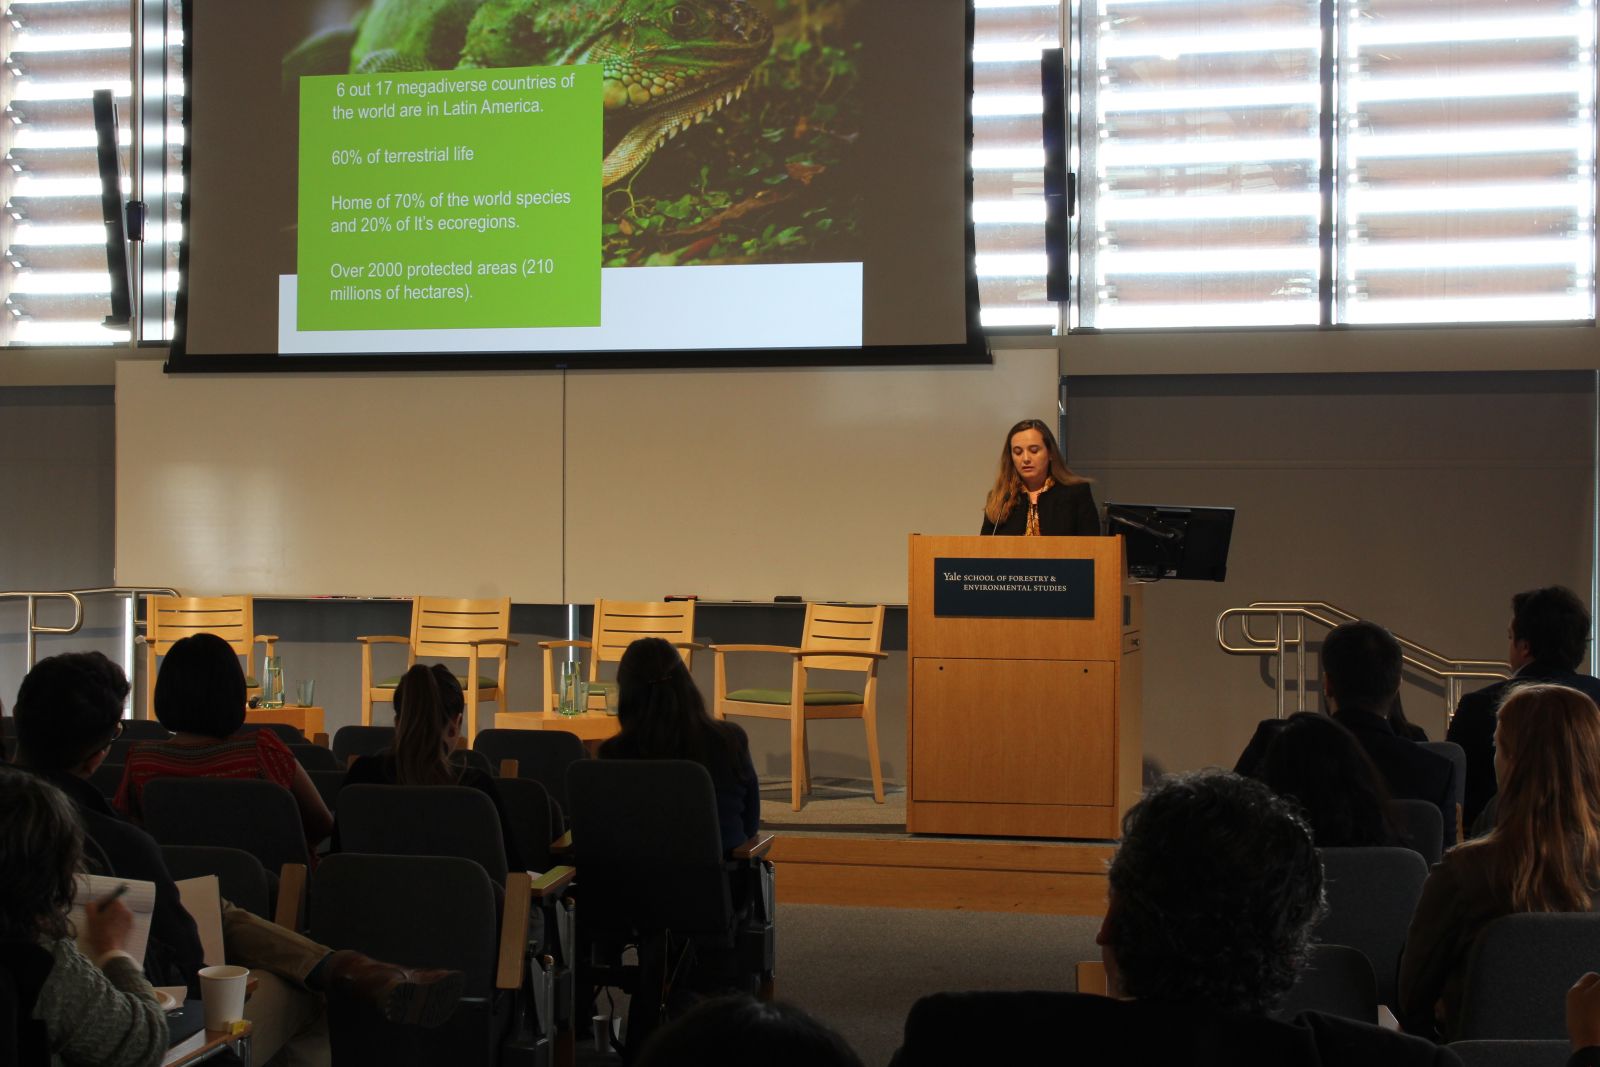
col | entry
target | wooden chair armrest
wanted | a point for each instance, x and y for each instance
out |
(320, 738)
(694, 645)
(507, 642)
(1092, 978)
(514, 930)
(720, 649)
(384, 640)
(291, 896)
(753, 849)
(801, 653)
(561, 845)
(509, 768)
(267, 639)
(565, 644)
(553, 883)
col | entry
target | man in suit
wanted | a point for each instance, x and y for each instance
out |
(1214, 893)
(1547, 639)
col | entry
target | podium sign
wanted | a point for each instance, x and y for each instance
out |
(985, 587)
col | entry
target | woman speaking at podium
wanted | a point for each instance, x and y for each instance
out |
(1035, 494)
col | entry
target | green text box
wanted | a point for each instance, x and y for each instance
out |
(450, 199)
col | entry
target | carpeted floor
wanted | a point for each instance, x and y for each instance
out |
(860, 969)
(835, 804)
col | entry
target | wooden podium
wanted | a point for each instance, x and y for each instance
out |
(1023, 687)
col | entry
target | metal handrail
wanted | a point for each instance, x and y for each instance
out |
(1417, 656)
(32, 597)
(74, 596)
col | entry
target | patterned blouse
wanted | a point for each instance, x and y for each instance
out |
(1033, 508)
(252, 754)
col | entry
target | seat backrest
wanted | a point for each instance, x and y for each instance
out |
(441, 627)
(1422, 826)
(329, 785)
(240, 876)
(857, 629)
(619, 623)
(170, 618)
(361, 741)
(1519, 973)
(258, 816)
(1528, 1053)
(315, 757)
(425, 820)
(416, 911)
(466, 757)
(289, 735)
(541, 755)
(648, 847)
(1458, 781)
(532, 820)
(144, 730)
(1338, 980)
(1372, 893)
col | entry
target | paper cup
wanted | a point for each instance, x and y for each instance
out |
(222, 994)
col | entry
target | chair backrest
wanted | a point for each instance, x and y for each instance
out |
(417, 911)
(466, 757)
(531, 818)
(1372, 893)
(541, 755)
(144, 730)
(857, 629)
(170, 618)
(361, 741)
(441, 626)
(1458, 782)
(1529, 1053)
(258, 816)
(619, 623)
(329, 784)
(289, 735)
(1422, 826)
(427, 820)
(1338, 980)
(1519, 973)
(648, 847)
(316, 758)
(240, 876)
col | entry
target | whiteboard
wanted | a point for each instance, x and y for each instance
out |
(559, 488)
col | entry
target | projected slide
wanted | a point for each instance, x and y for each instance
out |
(576, 176)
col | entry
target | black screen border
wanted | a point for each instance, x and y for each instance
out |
(974, 350)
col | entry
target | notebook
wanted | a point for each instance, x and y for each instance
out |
(139, 899)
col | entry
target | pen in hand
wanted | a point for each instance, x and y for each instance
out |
(112, 896)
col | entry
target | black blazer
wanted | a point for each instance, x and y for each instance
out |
(1410, 771)
(1064, 511)
(1078, 1028)
(1473, 727)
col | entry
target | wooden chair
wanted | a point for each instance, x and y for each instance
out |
(473, 630)
(836, 639)
(167, 619)
(618, 624)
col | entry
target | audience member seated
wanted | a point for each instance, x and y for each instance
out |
(68, 710)
(1547, 638)
(1543, 854)
(736, 1031)
(1214, 893)
(1360, 681)
(663, 716)
(200, 697)
(96, 1010)
(428, 710)
(1321, 767)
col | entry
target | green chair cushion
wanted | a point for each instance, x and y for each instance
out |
(483, 682)
(814, 697)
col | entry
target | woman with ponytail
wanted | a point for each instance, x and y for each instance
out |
(1543, 854)
(428, 708)
(663, 716)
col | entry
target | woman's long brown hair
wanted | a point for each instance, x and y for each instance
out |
(423, 709)
(1008, 488)
(1545, 846)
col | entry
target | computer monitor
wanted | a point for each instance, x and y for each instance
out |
(1167, 541)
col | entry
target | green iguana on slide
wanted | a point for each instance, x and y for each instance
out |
(667, 64)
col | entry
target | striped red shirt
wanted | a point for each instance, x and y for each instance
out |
(252, 754)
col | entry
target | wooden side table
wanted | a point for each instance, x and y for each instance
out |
(308, 720)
